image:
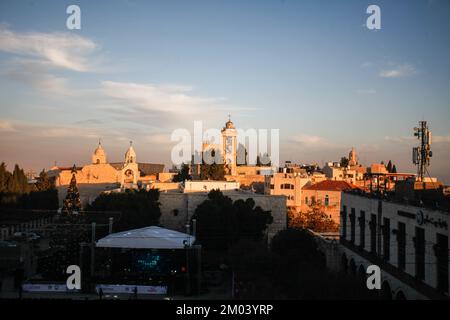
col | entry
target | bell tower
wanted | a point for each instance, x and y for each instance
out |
(229, 147)
(99, 155)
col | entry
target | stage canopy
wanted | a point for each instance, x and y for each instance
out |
(147, 238)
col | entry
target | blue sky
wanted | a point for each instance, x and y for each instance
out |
(139, 69)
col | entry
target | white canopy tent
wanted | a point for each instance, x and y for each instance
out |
(147, 238)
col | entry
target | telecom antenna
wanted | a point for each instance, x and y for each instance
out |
(422, 154)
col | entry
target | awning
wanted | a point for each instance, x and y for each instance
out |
(147, 238)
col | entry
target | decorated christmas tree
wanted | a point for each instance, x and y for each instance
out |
(72, 201)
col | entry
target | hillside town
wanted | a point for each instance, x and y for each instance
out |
(355, 214)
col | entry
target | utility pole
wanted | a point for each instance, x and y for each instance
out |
(422, 154)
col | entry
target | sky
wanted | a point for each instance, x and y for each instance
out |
(138, 70)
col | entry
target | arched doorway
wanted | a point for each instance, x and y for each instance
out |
(400, 296)
(386, 292)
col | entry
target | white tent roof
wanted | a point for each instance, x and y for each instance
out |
(147, 238)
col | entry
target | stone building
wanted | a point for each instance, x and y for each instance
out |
(410, 244)
(327, 194)
(178, 206)
(250, 177)
(101, 175)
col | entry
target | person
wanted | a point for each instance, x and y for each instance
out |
(100, 293)
(135, 292)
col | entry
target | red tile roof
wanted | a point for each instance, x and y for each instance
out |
(331, 185)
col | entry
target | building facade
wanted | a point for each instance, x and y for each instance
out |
(327, 195)
(410, 244)
(177, 208)
(101, 175)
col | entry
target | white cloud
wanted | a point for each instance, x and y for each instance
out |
(158, 98)
(399, 71)
(159, 139)
(63, 50)
(309, 140)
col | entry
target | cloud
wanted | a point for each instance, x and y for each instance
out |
(406, 140)
(37, 56)
(62, 50)
(6, 126)
(413, 140)
(159, 98)
(308, 141)
(404, 70)
(440, 139)
(160, 139)
(35, 74)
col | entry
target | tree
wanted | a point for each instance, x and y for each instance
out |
(44, 182)
(344, 162)
(394, 169)
(263, 160)
(389, 166)
(315, 219)
(19, 181)
(5, 176)
(222, 222)
(72, 201)
(213, 171)
(183, 174)
(139, 208)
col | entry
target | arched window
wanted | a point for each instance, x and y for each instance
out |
(327, 200)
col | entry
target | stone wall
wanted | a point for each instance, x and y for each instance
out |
(178, 208)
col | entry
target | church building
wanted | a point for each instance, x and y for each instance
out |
(101, 175)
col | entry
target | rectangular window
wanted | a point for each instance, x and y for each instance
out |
(401, 239)
(327, 200)
(344, 222)
(272, 186)
(442, 262)
(352, 225)
(306, 200)
(373, 233)
(386, 239)
(362, 229)
(419, 242)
